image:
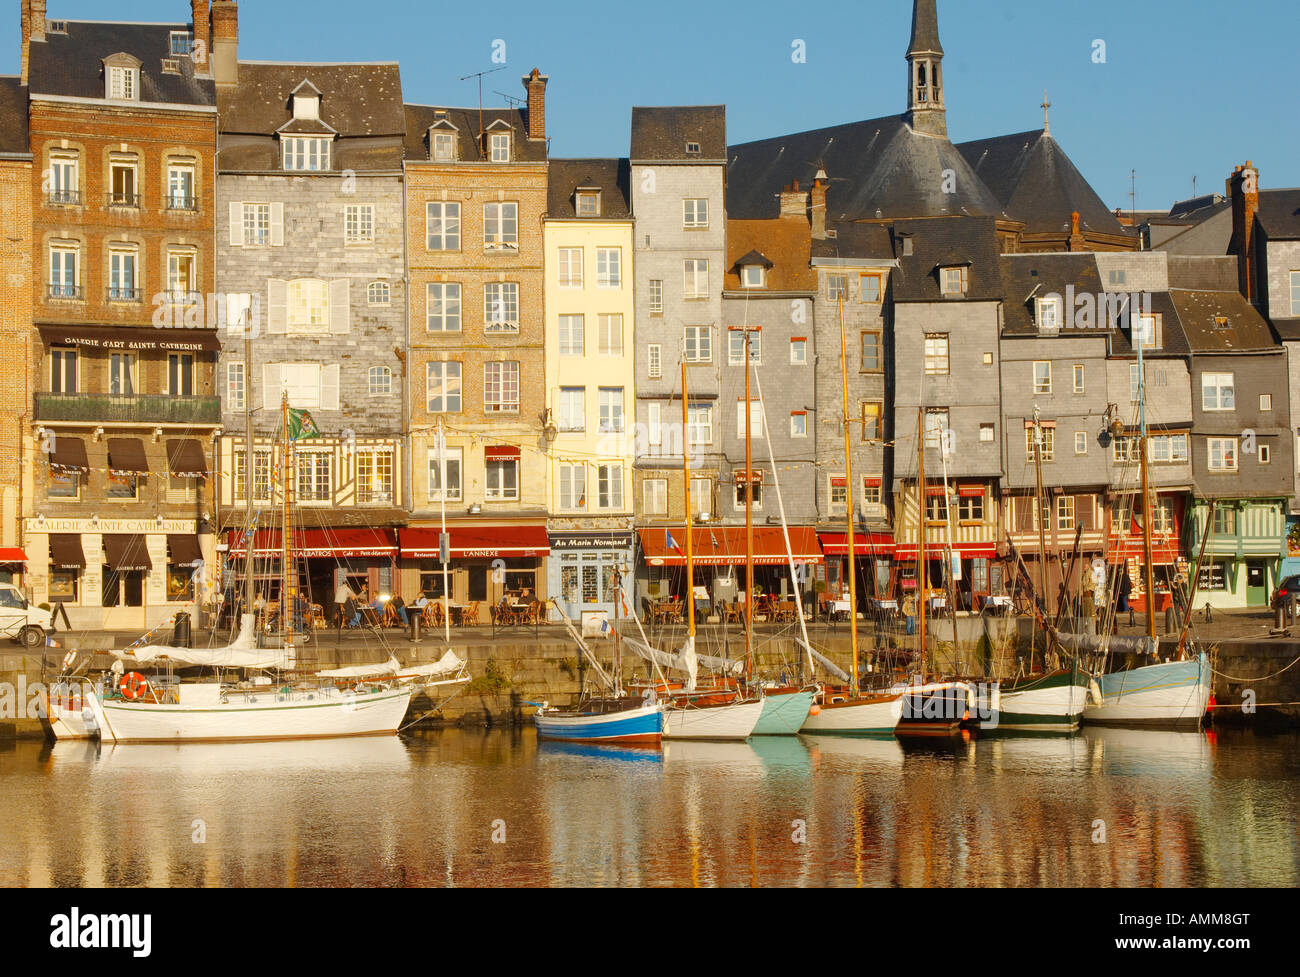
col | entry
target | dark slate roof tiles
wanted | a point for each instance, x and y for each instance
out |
(661, 133)
(612, 176)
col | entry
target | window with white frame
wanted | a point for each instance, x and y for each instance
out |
(1134, 383)
(736, 347)
(180, 186)
(696, 278)
(261, 475)
(654, 496)
(499, 147)
(453, 464)
(752, 276)
(609, 486)
(236, 386)
(122, 374)
(1043, 377)
(799, 424)
(65, 277)
(315, 476)
(1264, 454)
(699, 424)
(1065, 513)
(1222, 454)
(1079, 378)
(501, 481)
(182, 273)
(1044, 438)
(573, 330)
(501, 227)
(359, 224)
(1265, 402)
(609, 268)
(1218, 392)
(873, 412)
(375, 481)
(837, 287)
(501, 307)
(873, 494)
(570, 267)
(654, 361)
(307, 153)
(1295, 293)
(378, 293)
(444, 146)
(381, 381)
(123, 274)
(572, 408)
(65, 186)
(936, 424)
(654, 424)
(699, 344)
(936, 355)
(839, 495)
(1049, 314)
(308, 306)
(124, 84)
(443, 387)
(501, 387)
(751, 486)
(443, 307)
(955, 281)
(695, 212)
(587, 203)
(180, 43)
(755, 419)
(442, 226)
(1080, 443)
(656, 296)
(257, 224)
(573, 486)
(1149, 330)
(987, 433)
(798, 352)
(609, 341)
(123, 180)
(611, 410)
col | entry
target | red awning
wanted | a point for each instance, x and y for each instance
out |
(345, 544)
(874, 544)
(938, 551)
(971, 491)
(726, 547)
(478, 542)
(8, 555)
(1164, 552)
(500, 451)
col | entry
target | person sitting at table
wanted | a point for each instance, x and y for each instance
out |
(342, 594)
(399, 608)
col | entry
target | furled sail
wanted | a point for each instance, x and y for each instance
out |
(1085, 644)
(826, 663)
(241, 653)
(681, 662)
(449, 664)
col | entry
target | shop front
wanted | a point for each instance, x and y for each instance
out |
(973, 569)
(119, 574)
(364, 558)
(485, 563)
(873, 559)
(13, 562)
(581, 575)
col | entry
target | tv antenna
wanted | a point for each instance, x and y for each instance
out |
(513, 101)
(479, 75)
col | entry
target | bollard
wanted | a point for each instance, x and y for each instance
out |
(1169, 620)
(1279, 619)
(415, 620)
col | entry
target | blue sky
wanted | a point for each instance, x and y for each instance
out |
(1188, 87)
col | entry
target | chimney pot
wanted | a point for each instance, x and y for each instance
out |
(535, 86)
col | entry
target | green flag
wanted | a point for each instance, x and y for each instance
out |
(301, 426)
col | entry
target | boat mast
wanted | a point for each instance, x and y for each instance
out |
(249, 467)
(749, 518)
(848, 498)
(1041, 514)
(1146, 479)
(686, 479)
(922, 571)
(286, 535)
(446, 564)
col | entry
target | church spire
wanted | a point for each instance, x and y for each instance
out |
(925, 72)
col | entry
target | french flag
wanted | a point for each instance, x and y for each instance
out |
(672, 543)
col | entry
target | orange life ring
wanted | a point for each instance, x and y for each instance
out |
(133, 686)
(69, 660)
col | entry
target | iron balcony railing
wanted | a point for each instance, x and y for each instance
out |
(138, 409)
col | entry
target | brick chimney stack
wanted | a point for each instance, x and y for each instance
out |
(225, 43)
(794, 202)
(817, 210)
(25, 15)
(38, 20)
(535, 85)
(1243, 190)
(202, 19)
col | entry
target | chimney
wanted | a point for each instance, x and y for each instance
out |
(225, 43)
(38, 20)
(25, 16)
(794, 202)
(818, 205)
(202, 19)
(1243, 190)
(535, 85)
(1077, 241)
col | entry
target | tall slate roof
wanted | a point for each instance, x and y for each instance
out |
(13, 117)
(612, 176)
(1279, 214)
(465, 121)
(1036, 183)
(1245, 330)
(925, 29)
(1026, 277)
(938, 242)
(878, 168)
(362, 103)
(866, 240)
(661, 133)
(71, 63)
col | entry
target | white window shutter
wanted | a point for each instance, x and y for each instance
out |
(277, 306)
(329, 388)
(340, 313)
(236, 224)
(277, 225)
(271, 386)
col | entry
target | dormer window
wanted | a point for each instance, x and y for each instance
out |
(1148, 330)
(310, 153)
(905, 244)
(443, 145)
(753, 276)
(499, 147)
(1049, 314)
(122, 78)
(181, 44)
(954, 281)
(692, 149)
(587, 202)
(1221, 322)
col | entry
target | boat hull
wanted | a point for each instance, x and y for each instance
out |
(936, 709)
(1171, 694)
(784, 713)
(1050, 702)
(872, 716)
(641, 725)
(244, 717)
(735, 721)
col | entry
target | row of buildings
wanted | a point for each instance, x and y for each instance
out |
(482, 329)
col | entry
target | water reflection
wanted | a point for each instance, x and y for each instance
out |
(1099, 808)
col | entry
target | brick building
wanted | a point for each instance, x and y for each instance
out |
(123, 140)
(476, 193)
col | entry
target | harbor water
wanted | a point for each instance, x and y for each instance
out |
(494, 808)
